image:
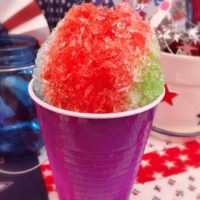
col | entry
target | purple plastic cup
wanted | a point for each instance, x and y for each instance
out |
(94, 156)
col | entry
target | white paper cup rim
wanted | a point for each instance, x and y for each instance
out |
(188, 57)
(91, 115)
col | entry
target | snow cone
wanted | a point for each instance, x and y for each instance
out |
(96, 85)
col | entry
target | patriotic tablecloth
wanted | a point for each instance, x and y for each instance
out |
(168, 171)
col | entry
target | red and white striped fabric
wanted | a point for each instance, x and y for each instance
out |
(168, 171)
(23, 17)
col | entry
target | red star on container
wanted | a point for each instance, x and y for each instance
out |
(169, 96)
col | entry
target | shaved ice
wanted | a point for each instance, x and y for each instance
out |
(100, 60)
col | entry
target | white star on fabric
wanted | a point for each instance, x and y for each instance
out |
(177, 37)
(182, 147)
(169, 164)
(161, 153)
(145, 163)
(183, 157)
(166, 35)
(157, 175)
(47, 173)
(189, 168)
(193, 35)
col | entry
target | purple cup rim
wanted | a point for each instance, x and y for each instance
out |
(92, 115)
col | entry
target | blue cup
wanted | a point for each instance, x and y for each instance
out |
(19, 129)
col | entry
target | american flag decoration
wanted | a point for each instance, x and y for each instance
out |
(23, 17)
(180, 41)
(180, 32)
(36, 17)
(54, 10)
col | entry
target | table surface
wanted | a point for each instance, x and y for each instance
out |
(168, 171)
